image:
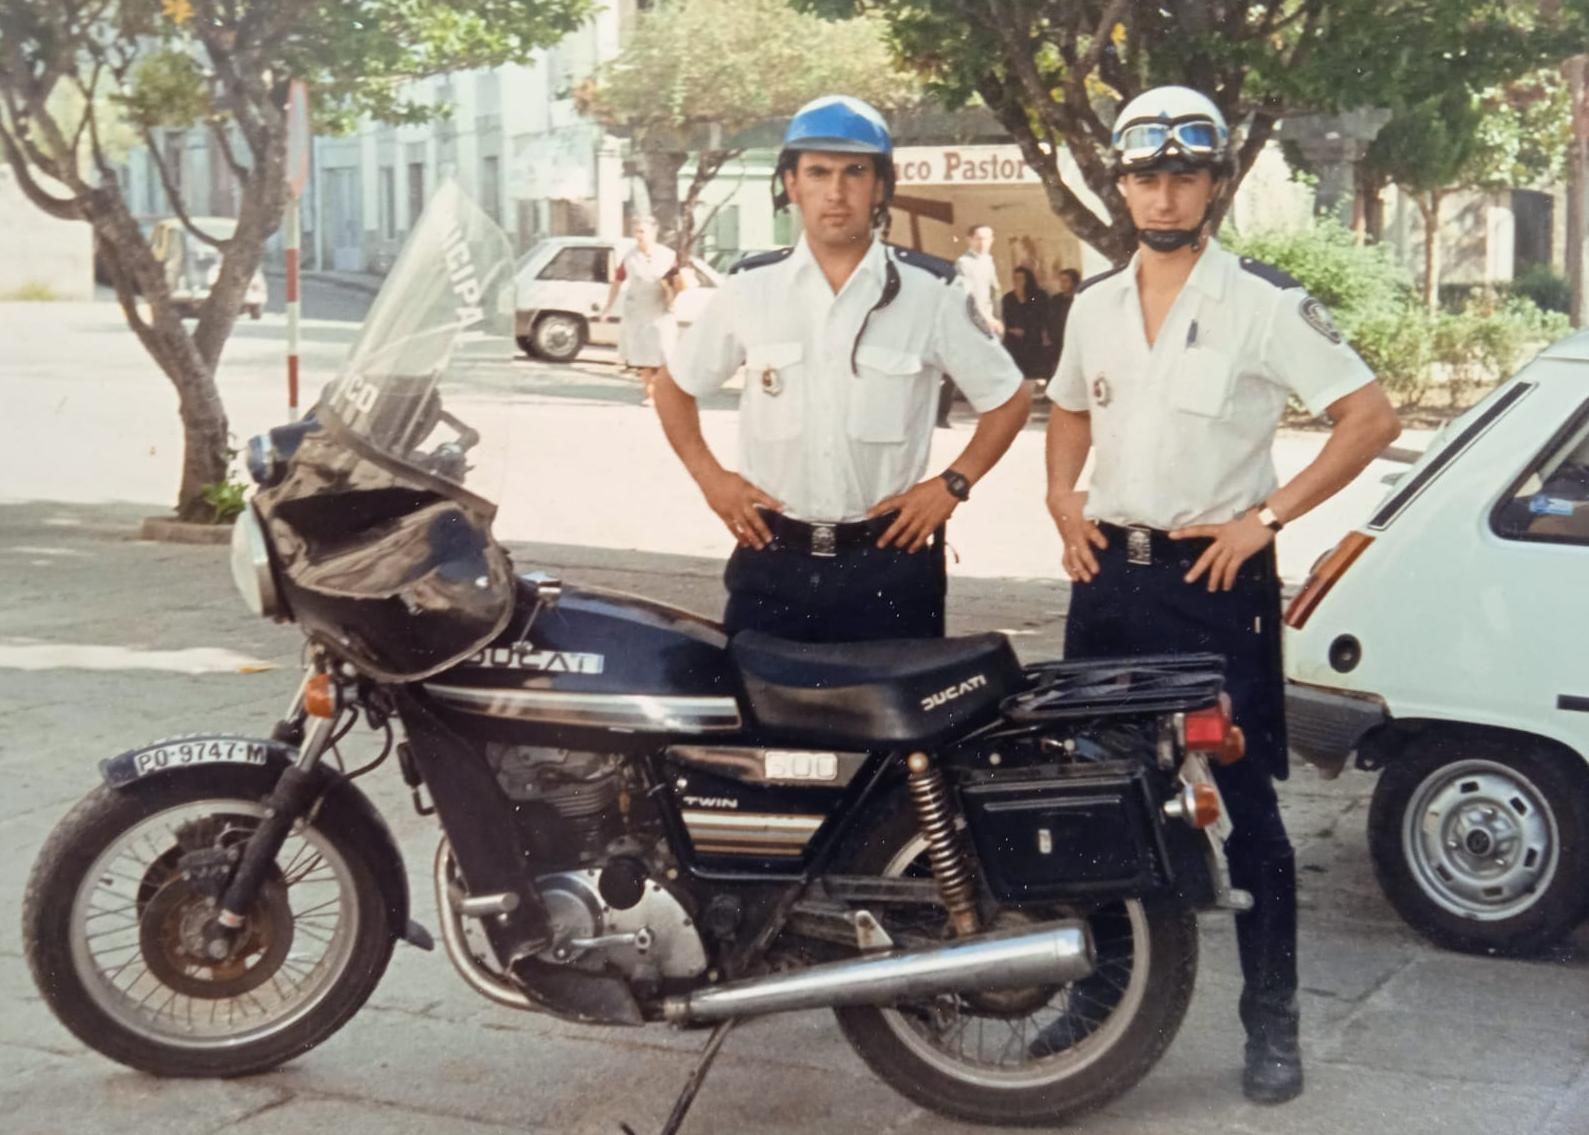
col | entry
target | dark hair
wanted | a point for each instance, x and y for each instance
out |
(972, 231)
(788, 160)
(1031, 278)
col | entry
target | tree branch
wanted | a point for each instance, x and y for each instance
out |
(174, 193)
(223, 142)
(62, 208)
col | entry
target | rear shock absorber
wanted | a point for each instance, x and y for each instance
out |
(950, 866)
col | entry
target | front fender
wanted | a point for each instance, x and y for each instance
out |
(354, 813)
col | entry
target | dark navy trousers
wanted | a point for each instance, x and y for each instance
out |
(1131, 609)
(863, 593)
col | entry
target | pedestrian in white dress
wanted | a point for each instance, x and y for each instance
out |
(648, 329)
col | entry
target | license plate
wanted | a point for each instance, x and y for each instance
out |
(187, 752)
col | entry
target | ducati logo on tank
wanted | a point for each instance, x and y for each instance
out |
(523, 656)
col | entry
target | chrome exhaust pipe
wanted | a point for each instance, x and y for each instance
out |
(1054, 953)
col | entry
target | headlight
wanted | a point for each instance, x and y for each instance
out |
(251, 566)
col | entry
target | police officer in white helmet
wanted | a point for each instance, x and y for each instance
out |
(1175, 372)
(843, 341)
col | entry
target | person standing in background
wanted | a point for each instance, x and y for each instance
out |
(1058, 312)
(647, 329)
(980, 276)
(1026, 325)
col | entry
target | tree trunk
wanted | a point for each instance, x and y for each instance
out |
(659, 169)
(1577, 185)
(1429, 206)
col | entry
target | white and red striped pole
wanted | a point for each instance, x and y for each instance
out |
(294, 241)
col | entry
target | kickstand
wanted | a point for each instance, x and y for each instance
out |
(692, 1086)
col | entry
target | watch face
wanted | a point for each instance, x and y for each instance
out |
(959, 486)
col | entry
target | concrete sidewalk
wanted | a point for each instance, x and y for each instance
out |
(1399, 1036)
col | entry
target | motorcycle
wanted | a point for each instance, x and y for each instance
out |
(990, 872)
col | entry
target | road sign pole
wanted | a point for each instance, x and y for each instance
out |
(294, 241)
(299, 136)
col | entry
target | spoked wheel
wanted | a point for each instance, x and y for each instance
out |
(1029, 1056)
(124, 944)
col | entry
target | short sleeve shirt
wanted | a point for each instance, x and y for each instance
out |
(980, 276)
(834, 419)
(1183, 430)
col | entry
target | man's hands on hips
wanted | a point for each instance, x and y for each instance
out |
(1235, 542)
(922, 509)
(737, 503)
(1079, 535)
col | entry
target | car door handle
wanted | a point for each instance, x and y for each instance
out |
(1575, 702)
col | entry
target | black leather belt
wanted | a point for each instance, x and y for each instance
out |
(825, 539)
(1144, 546)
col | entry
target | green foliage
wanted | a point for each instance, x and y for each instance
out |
(226, 500)
(166, 88)
(733, 63)
(1547, 290)
(1373, 301)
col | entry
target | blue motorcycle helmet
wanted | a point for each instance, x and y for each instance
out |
(837, 124)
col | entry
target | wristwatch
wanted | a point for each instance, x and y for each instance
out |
(1267, 517)
(959, 484)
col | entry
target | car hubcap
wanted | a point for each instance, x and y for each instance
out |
(558, 336)
(1481, 840)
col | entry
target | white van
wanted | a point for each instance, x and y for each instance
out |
(191, 265)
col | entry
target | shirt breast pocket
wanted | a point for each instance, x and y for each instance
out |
(1203, 383)
(774, 390)
(884, 395)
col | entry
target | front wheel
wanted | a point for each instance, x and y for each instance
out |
(558, 337)
(122, 944)
(1483, 845)
(1030, 1056)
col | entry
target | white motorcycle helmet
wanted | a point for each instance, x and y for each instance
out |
(1170, 129)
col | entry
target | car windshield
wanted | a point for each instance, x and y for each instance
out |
(442, 324)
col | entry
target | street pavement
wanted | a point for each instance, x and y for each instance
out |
(107, 641)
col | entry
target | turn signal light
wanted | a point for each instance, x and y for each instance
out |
(320, 696)
(1204, 810)
(1324, 576)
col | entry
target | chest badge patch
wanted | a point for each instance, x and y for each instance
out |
(771, 383)
(1317, 316)
(1101, 394)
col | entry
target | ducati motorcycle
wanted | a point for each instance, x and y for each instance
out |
(989, 871)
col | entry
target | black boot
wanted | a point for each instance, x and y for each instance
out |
(1266, 937)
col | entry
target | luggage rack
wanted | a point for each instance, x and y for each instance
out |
(1157, 683)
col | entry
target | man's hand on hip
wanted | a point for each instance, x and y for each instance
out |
(1235, 542)
(1079, 535)
(737, 503)
(922, 510)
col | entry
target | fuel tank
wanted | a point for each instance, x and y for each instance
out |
(575, 663)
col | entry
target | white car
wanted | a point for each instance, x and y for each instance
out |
(192, 266)
(1444, 643)
(562, 285)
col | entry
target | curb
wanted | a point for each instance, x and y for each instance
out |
(170, 531)
(369, 288)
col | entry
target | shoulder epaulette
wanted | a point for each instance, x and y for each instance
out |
(760, 260)
(1270, 274)
(1101, 277)
(943, 269)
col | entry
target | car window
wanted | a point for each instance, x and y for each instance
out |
(586, 265)
(1551, 502)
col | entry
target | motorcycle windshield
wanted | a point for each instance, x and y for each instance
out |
(445, 310)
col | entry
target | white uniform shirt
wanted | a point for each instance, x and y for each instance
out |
(826, 441)
(1183, 431)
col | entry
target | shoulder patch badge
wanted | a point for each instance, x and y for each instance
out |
(1317, 316)
(974, 313)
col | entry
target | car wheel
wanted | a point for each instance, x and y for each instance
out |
(526, 344)
(1481, 843)
(558, 336)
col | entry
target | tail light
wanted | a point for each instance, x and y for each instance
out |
(1324, 576)
(1211, 732)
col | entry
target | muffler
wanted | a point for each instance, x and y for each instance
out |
(1054, 953)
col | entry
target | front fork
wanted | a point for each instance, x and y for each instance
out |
(293, 797)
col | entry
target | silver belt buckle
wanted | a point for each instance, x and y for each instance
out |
(824, 540)
(1139, 546)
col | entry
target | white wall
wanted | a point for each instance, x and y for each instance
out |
(41, 251)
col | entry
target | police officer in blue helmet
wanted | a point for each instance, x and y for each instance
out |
(843, 341)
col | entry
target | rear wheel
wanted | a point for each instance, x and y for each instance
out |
(1482, 845)
(122, 945)
(1036, 1056)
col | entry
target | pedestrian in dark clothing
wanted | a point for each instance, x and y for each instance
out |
(1026, 325)
(1058, 313)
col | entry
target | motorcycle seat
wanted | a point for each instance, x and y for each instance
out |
(867, 694)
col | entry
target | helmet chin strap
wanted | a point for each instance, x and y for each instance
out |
(1169, 240)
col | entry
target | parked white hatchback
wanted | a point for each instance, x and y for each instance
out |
(1446, 644)
(562, 284)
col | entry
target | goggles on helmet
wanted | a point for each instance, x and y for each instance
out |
(1142, 142)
